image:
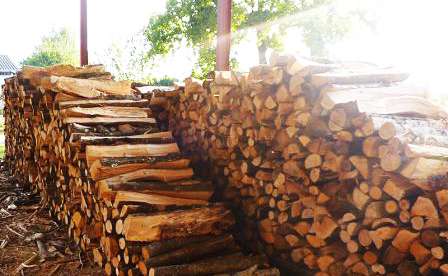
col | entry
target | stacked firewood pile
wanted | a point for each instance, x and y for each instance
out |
(342, 167)
(206, 120)
(93, 149)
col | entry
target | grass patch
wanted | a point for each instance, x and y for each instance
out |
(2, 150)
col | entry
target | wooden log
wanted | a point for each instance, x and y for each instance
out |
(150, 138)
(183, 189)
(333, 95)
(108, 121)
(303, 67)
(87, 88)
(119, 161)
(102, 102)
(211, 266)
(163, 175)
(414, 130)
(420, 253)
(403, 240)
(120, 197)
(160, 247)
(193, 252)
(95, 152)
(66, 70)
(106, 111)
(199, 221)
(377, 100)
(111, 167)
(418, 170)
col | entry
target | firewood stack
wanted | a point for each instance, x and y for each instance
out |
(18, 129)
(187, 112)
(342, 166)
(158, 97)
(206, 121)
(91, 147)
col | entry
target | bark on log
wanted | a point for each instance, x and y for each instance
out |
(200, 221)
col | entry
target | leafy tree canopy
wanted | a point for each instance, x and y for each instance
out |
(58, 47)
(163, 81)
(195, 22)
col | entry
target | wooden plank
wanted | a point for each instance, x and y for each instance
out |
(105, 121)
(87, 88)
(361, 77)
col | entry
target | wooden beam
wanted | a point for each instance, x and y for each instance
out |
(84, 55)
(224, 15)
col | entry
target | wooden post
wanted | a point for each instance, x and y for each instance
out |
(223, 46)
(84, 55)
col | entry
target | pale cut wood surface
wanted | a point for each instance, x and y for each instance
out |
(95, 152)
(71, 120)
(106, 111)
(88, 88)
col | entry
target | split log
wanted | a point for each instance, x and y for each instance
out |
(211, 266)
(163, 226)
(193, 252)
(87, 88)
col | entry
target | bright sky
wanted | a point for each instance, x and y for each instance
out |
(411, 34)
(24, 22)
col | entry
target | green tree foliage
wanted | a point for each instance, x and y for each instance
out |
(259, 14)
(58, 47)
(125, 59)
(329, 22)
(194, 21)
(163, 81)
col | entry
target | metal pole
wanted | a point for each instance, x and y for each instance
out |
(84, 55)
(224, 15)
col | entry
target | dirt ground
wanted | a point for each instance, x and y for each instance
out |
(23, 225)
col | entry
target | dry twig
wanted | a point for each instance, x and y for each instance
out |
(26, 264)
(15, 232)
(4, 243)
(55, 270)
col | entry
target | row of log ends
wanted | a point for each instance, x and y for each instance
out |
(336, 167)
(115, 176)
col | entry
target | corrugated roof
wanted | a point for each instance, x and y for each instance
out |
(7, 66)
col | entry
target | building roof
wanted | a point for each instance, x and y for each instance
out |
(7, 67)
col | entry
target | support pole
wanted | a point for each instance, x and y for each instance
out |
(224, 15)
(84, 55)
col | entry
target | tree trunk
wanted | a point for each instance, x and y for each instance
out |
(262, 47)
